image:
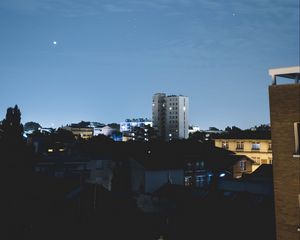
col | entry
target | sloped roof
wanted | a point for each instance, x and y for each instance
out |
(263, 171)
(262, 135)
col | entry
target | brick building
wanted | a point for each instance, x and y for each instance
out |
(285, 124)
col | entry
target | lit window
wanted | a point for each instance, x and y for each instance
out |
(255, 146)
(225, 145)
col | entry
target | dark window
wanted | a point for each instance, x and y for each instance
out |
(240, 145)
(243, 165)
(270, 147)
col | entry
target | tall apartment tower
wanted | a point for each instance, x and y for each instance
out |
(285, 125)
(170, 115)
(158, 112)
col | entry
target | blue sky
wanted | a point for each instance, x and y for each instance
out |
(112, 56)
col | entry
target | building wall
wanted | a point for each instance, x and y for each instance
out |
(158, 112)
(84, 133)
(261, 156)
(284, 111)
(156, 179)
(242, 167)
(101, 172)
(183, 126)
(171, 115)
(137, 176)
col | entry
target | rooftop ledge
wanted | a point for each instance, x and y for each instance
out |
(288, 72)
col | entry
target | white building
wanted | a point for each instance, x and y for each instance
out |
(193, 129)
(170, 115)
(129, 124)
(106, 130)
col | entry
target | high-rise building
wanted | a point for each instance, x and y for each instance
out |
(158, 113)
(170, 115)
(285, 125)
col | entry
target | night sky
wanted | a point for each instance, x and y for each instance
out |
(64, 61)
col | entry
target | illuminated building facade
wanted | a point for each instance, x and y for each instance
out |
(259, 150)
(84, 132)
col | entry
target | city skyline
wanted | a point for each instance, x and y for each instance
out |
(68, 61)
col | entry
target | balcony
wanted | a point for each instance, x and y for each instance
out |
(239, 149)
(255, 149)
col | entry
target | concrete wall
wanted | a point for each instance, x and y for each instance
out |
(284, 111)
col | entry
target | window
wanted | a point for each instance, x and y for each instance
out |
(255, 146)
(270, 160)
(270, 147)
(225, 144)
(297, 139)
(264, 161)
(239, 145)
(243, 165)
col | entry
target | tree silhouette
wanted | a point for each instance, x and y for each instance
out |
(12, 127)
(31, 126)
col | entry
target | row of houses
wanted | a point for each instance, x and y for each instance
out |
(146, 173)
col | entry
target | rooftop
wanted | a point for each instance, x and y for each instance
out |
(287, 72)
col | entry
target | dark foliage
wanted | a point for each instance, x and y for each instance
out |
(31, 126)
